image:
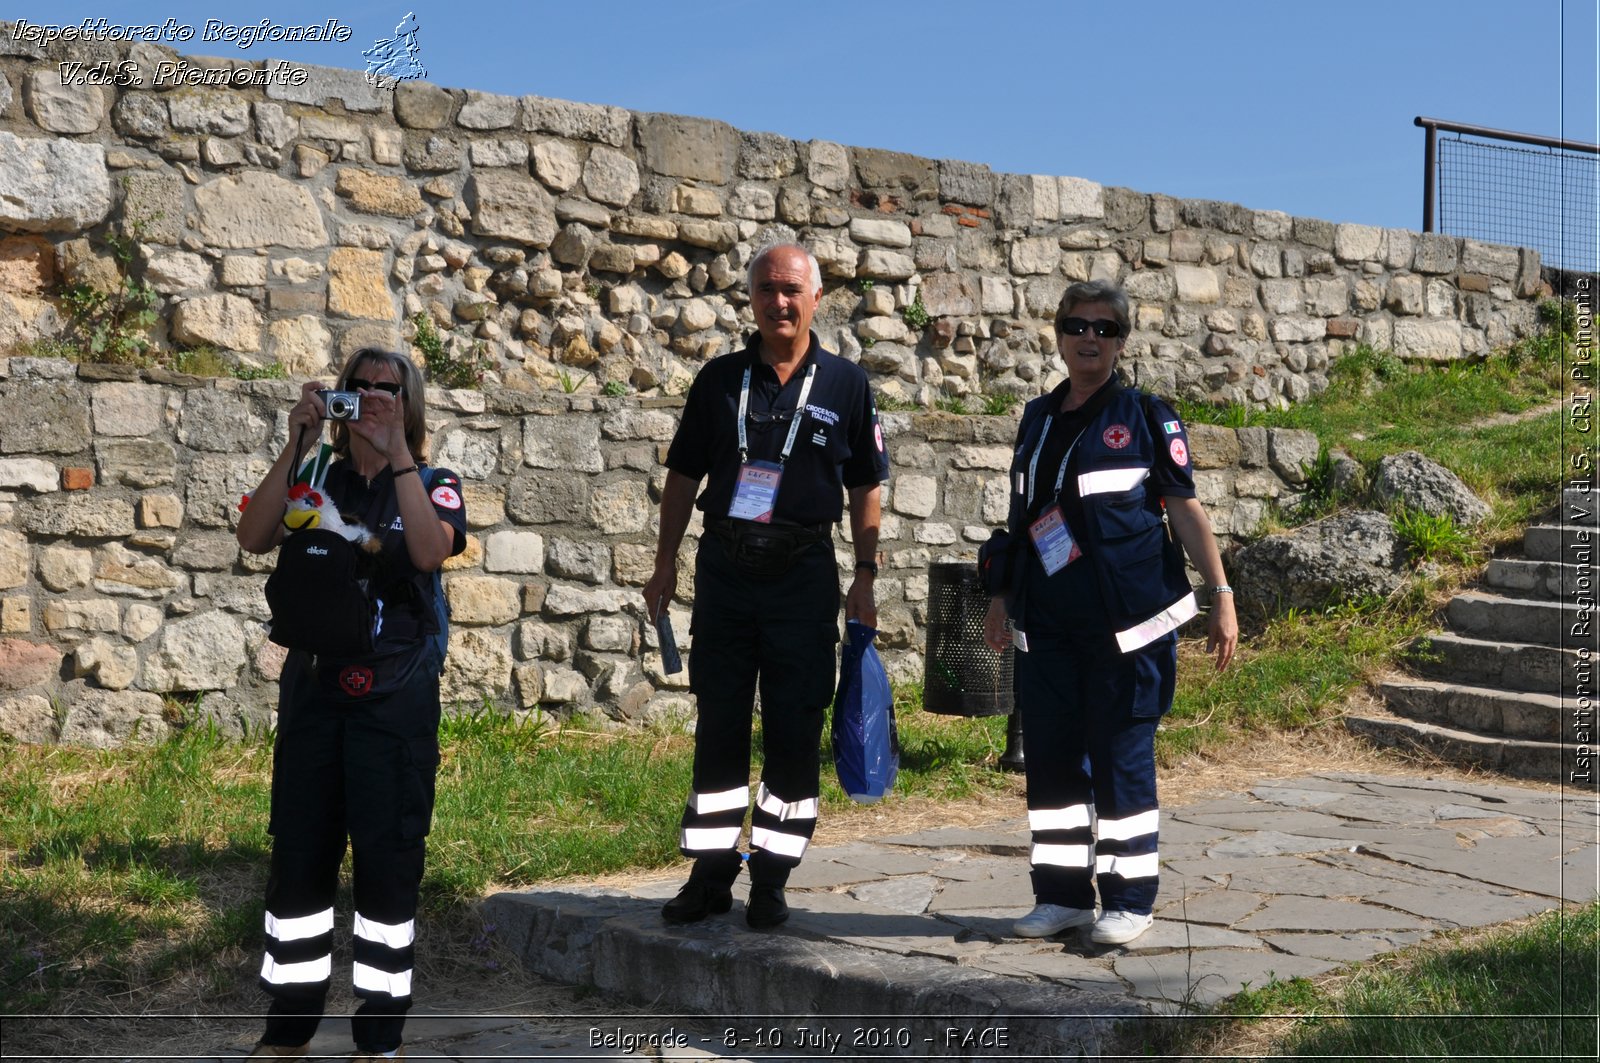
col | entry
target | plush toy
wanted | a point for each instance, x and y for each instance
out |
(310, 508)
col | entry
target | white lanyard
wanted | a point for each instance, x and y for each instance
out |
(794, 422)
(1033, 465)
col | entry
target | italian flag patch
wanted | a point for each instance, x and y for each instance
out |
(1170, 427)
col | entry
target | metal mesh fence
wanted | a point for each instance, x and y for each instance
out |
(1543, 198)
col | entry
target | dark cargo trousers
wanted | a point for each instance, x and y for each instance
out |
(1089, 717)
(364, 771)
(779, 634)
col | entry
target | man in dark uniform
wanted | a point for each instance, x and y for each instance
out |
(781, 431)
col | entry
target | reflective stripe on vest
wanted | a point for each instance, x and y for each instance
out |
(1169, 619)
(1106, 481)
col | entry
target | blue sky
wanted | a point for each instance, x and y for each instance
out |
(1290, 105)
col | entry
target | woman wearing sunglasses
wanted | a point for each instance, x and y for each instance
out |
(1098, 594)
(357, 747)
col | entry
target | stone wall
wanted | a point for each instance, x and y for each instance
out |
(576, 246)
(296, 221)
(121, 581)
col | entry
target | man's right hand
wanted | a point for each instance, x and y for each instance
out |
(662, 588)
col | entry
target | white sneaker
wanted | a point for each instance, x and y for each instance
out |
(1048, 919)
(1119, 928)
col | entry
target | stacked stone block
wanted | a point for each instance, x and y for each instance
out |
(589, 244)
(123, 593)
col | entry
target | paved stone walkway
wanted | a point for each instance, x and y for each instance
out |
(901, 946)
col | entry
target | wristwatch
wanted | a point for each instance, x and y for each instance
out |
(870, 566)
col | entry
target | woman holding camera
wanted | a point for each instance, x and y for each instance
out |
(357, 746)
(1099, 594)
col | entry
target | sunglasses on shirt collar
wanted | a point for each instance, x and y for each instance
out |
(357, 384)
(1077, 326)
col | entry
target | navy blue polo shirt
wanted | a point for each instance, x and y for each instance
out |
(839, 445)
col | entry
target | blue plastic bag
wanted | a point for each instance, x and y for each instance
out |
(866, 745)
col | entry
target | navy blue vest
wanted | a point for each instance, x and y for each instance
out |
(1137, 564)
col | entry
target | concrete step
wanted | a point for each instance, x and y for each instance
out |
(1521, 757)
(619, 945)
(1542, 580)
(1560, 542)
(1490, 616)
(1515, 714)
(1501, 665)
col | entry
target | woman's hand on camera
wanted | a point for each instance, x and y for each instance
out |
(308, 412)
(383, 424)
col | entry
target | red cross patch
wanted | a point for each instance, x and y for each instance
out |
(1117, 436)
(446, 497)
(356, 680)
(1179, 452)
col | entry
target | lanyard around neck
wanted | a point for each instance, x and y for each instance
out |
(794, 422)
(1061, 474)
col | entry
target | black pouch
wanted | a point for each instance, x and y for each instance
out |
(998, 568)
(764, 551)
(373, 677)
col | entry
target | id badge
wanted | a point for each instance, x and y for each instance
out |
(1053, 540)
(756, 491)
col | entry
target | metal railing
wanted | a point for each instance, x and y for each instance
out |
(1513, 188)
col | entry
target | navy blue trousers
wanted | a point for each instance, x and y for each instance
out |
(1089, 718)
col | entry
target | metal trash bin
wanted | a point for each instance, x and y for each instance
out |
(961, 675)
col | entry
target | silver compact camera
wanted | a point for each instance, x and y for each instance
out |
(341, 405)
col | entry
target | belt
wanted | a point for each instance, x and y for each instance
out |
(730, 527)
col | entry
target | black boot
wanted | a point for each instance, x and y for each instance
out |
(708, 892)
(766, 907)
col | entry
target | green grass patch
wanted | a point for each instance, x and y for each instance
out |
(1292, 675)
(124, 865)
(1376, 405)
(1522, 992)
(1433, 537)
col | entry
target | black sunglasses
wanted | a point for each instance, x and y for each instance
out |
(357, 384)
(775, 417)
(1077, 326)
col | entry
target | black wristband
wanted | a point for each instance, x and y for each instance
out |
(401, 472)
(869, 566)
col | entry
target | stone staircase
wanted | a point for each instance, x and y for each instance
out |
(1488, 691)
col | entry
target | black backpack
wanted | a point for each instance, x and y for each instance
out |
(330, 597)
(323, 595)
